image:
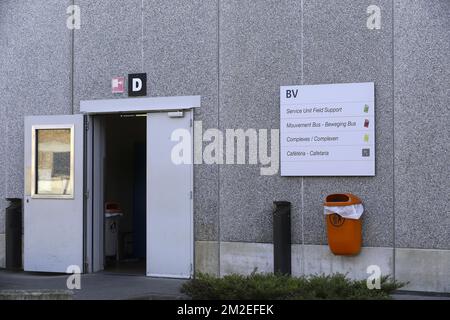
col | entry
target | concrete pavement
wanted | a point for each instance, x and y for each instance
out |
(405, 295)
(96, 286)
(114, 286)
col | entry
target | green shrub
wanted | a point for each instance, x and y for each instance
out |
(274, 287)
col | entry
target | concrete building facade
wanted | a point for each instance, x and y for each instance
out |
(236, 55)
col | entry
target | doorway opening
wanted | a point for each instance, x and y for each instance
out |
(147, 227)
(124, 193)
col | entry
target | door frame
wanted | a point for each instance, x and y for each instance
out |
(94, 152)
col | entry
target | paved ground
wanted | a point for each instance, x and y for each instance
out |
(96, 285)
(114, 286)
(419, 296)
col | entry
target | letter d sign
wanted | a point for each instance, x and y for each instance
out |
(137, 84)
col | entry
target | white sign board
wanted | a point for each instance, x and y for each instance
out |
(327, 130)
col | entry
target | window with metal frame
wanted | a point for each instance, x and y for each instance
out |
(53, 161)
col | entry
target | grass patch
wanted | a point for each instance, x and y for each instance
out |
(280, 287)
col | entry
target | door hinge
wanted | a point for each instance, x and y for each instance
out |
(191, 123)
(86, 267)
(86, 125)
(86, 194)
(190, 194)
(175, 114)
(192, 269)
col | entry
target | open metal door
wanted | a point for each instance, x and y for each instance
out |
(53, 202)
(169, 197)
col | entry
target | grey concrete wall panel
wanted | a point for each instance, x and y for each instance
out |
(180, 56)
(180, 49)
(206, 257)
(39, 68)
(206, 202)
(246, 200)
(3, 119)
(423, 269)
(108, 44)
(206, 186)
(339, 48)
(259, 51)
(422, 117)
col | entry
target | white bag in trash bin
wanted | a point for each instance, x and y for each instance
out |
(350, 212)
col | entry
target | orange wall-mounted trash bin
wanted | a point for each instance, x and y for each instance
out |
(344, 234)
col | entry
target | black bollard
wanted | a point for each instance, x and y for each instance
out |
(13, 228)
(282, 237)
